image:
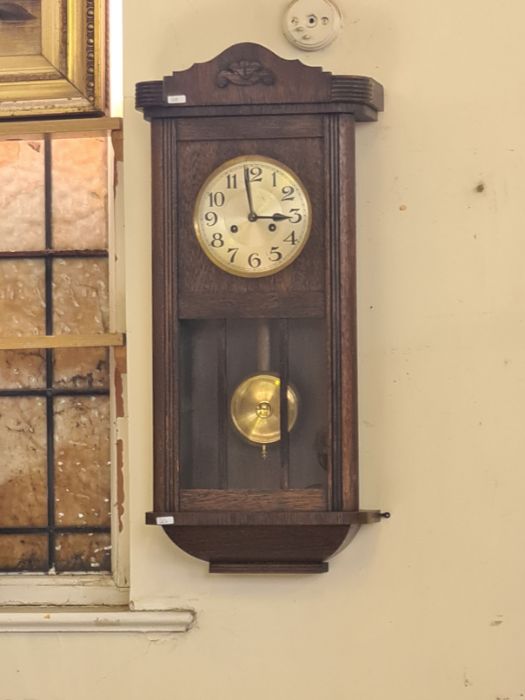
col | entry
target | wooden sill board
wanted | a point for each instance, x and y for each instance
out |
(62, 341)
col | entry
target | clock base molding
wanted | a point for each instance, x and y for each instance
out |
(263, 542)
(254, 518)
(270, 568)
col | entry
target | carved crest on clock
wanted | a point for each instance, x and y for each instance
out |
(245, 73)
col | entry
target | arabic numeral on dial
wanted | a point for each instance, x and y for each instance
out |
(232, 252)
(254, 261)
(288, 193)
(275, 254)
(211, 218)
(216, 199)
(296, 216)
(231, 181)
(255, 174)
(217, 240)
(292, 239)
(274, 178)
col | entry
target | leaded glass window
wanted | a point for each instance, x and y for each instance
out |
(55, 338)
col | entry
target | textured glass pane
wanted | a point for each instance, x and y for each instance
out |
(82, 466)
(80, 192)
(23, 475)
(80, 296)
(22, 195)
(81, 368)
(23, 553)
(22, 369)
(83, 552)
(22, 298)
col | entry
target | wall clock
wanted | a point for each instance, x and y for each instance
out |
(255, 373)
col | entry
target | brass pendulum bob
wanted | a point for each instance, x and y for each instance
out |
(255, 406)
(255, 409)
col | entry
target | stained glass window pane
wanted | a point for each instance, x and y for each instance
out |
(23, 473)
(82, 461)
(22, 297)
(83, 552)
(81, 368)
(22, 369)
(22, 195)
(80, 296)
(23, 552)
(79, 193)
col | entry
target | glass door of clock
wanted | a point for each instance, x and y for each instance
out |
(254, 411)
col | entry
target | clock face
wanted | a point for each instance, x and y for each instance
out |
(252, 216)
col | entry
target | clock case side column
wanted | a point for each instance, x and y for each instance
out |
(341, 310)
(165, 329)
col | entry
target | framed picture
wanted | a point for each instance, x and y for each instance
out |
(52, 57)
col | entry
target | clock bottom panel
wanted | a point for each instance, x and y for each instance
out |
(246, 500)
(254, 406)
(263, 549)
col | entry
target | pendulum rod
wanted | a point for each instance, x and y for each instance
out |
(263, 345)
(263, 357)
(283, 403)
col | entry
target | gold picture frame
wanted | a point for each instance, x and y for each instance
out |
(52, 58)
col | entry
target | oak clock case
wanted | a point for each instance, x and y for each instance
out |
(255, 376)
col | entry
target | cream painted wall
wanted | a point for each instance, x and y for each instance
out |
(429, 605)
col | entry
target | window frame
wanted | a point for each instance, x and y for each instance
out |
(90, 589)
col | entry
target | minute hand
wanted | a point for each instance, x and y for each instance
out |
(252, 216)
(274, 217)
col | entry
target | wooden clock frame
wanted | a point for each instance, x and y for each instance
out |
(248, 100)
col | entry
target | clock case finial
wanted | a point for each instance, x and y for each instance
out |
(249, 74)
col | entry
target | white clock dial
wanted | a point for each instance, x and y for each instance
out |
(252, 216)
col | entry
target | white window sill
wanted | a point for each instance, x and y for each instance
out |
(96, 620)
(42, 589)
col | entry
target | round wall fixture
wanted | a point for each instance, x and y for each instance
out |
(311, 25)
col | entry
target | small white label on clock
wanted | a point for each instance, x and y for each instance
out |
(176, 99)
(165, 520)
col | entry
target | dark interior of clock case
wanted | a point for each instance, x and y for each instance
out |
(216, 356)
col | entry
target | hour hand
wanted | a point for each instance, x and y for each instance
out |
(274, 217)
(252, 216)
